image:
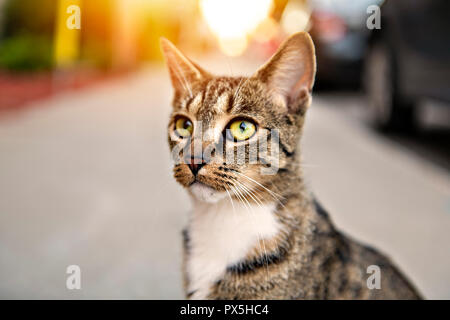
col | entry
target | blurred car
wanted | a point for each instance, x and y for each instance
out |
(339, 31)
(408, 59)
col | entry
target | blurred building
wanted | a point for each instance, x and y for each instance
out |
(114, 33)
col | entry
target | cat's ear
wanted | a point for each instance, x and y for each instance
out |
(289, 74)
(183, 72)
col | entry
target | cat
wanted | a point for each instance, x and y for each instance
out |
(253, 235)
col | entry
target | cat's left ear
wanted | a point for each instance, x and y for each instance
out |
(289, 74)
(183, 72)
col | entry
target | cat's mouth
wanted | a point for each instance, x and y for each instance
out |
(209, 184)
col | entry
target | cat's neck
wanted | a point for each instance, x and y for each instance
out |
(233, 215)
(222, 234)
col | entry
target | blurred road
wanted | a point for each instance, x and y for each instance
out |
(85, 179)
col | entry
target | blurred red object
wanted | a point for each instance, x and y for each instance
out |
(16, 90)
(328, 26)
(19, 90)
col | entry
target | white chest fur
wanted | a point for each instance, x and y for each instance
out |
(221, 235)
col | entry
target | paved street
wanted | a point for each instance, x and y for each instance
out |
(85, 179)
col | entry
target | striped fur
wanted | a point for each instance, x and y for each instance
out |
(257, 236)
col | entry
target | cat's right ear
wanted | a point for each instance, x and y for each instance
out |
(183, 72)
(289, 74)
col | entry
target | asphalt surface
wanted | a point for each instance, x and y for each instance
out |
(85, 179)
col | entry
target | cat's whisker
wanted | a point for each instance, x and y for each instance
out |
(276, 196)
(245, 201)
(242, 193)
(233, 190)
(250, 193)
(259, 184)
(231, 200)
(260, 238)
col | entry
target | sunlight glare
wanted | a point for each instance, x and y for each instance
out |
(232, 21)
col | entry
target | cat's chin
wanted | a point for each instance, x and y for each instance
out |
(204, 193)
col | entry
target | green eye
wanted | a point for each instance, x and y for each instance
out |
(184, 127)
(241, 130)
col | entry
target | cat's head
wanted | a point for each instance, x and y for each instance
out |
(237, 135)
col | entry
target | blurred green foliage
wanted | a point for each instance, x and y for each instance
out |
(26, 52)
(26, 37)
(28, 16)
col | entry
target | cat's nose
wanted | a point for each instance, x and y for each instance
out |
(196, 164)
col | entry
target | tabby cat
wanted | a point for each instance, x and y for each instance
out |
(253, 234)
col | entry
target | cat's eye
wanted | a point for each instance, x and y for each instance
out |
(184, 127)
(240, 130)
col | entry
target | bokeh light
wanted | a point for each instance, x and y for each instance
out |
(296, 17)
(233, 20)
